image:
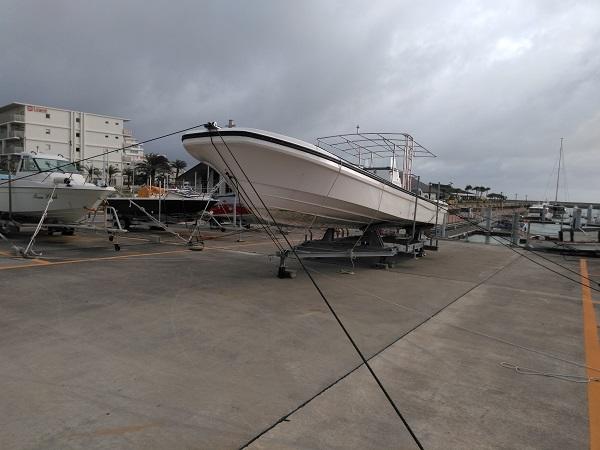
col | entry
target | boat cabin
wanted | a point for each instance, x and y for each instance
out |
(35, 162)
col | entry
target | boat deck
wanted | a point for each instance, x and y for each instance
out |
(158, 346)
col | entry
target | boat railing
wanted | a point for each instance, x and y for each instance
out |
(394, 151)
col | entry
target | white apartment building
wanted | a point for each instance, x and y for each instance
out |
(74, 135)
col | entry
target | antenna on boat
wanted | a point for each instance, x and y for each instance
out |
(560, 156)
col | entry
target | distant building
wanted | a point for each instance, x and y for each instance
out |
(74, 135)
(203, 178)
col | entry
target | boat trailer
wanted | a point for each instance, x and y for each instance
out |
(372, 243)
(107, 215)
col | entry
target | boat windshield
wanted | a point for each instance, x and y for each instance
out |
(55, 165)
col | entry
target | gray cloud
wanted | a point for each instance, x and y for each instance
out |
(488, 86)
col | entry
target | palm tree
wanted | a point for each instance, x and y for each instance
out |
(178, 165)
(128, 173)
(91, 172)
(468, 188)
(152, 164)
(111, 172)
(479, 190)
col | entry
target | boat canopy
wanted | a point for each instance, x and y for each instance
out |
(377, 152)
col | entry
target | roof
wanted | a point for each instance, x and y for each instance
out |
(14, 104)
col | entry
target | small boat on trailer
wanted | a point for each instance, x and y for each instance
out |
(356, 181)
(164, 205)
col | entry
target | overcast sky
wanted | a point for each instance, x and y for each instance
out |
(490, 87)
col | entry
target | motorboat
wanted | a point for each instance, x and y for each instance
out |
(545, 212)
(166, 205)
(347, 181)
(539, 212)
(28, 180)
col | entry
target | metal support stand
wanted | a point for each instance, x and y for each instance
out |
(370, 245)
(29, 249)
(515, 229)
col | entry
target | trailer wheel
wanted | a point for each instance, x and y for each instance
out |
(117, 247)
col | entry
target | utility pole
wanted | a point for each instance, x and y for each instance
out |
(558, 175)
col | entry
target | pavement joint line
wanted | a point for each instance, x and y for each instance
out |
(73, 261)
(241, 252)
(237, 245)
(592, 355)
(376, 353)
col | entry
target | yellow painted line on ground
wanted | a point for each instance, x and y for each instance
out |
(235, 246)
(73, 261)
(42, 262)
(592, 355)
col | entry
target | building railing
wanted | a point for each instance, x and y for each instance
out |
(13, 149)
(12, 117)
(127, 132)
(16, 134)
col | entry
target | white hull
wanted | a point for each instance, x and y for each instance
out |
(70, 204)
(302, 185)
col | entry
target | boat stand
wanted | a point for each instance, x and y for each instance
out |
(110, 224)
(371, 244)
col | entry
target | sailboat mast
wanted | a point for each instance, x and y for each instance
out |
(558, 175)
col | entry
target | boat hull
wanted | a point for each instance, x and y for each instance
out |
(69, 205)
(169, 207)
(302, 185)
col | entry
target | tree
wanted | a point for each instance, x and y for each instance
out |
(111, 172)
(479, 190)
(495, 196)
(152, 164)
(128, 173)
(468, 188)
(91, 172)
(178, 165)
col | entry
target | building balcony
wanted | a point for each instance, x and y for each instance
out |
(127, 132)
(13, 134)
(5, 118)
(13, 149)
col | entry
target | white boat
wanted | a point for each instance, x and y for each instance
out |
(546, 212)
(539, 212)
(27, 180)
(304, 185)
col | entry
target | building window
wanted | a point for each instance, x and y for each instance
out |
(47, 130)
(77, 149)
(77, 119)
(116, 137)
(76, 134)
(117, 123)
(48, 147)
(47, 115)
(106, 136)
(106, 121)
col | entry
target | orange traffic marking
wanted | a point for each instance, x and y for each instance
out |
(73, 261)
(592, 356)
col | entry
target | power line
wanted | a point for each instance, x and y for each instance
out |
(325, 300)
(509, 246)
(106, 153)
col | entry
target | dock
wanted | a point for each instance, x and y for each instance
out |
(157, 346)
